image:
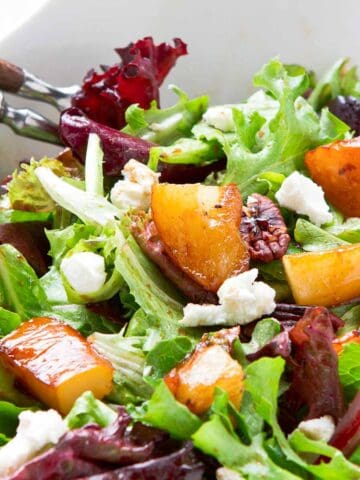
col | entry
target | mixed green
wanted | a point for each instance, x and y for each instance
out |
(292, 366)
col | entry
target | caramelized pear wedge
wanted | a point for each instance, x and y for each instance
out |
(199, 226)
(324, 278)
(55, 363)
(336, 168)
(194, 380)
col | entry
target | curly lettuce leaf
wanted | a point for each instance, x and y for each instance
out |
(63, 239)
(338, 80)
(160, 303)
(165, 126)
(100, 244)
(294, 130)
(91, 208)
(186, 151)
(128, 359)
(26, 192)
(88, 409)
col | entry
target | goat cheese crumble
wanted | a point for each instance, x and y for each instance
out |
(220, 117)
(85, 271)
(224, 473)
(305, 197)
(241, 300)
(134, 191)
(35, 431)
(322, 428)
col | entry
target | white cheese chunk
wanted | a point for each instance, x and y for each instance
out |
(305, 197)
(135, 190)
(224, 473)
(322, 428)
(220, 117)
(241, 300)
(36, 430)
(85, 272)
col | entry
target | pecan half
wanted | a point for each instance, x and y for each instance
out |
(263, 229)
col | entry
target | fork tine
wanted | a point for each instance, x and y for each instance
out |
(28, 123)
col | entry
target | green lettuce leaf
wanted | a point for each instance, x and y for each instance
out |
(349, 231)
(262, 382)
(315, 239)
(8, 321)
(158, 300)
(294, 130)
(215, 439)
(186, 151)
(337, 468)
(338, 80)
(164, 412)
(349, 369)
(94, 177)
(9, 414)
(264, 331)
(19, 216)
(53, 287)
(20, 289)
(101, 244)
(82, 319)
(87, 409)
(128, 359)
(63, 239)
(91, 208)
(167, 354)
(165, 126)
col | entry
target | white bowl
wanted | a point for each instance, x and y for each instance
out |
(228, 42)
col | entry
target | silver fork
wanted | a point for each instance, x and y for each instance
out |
(26, 122)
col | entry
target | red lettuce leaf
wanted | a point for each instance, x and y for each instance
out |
(105, 96)
(30, 239)
(315, 377)
(75, 127)
(115, 452)
(118, 147)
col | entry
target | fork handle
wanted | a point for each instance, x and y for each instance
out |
(19, 81)
(12, 77)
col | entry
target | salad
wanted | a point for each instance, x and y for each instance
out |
(180, 287)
